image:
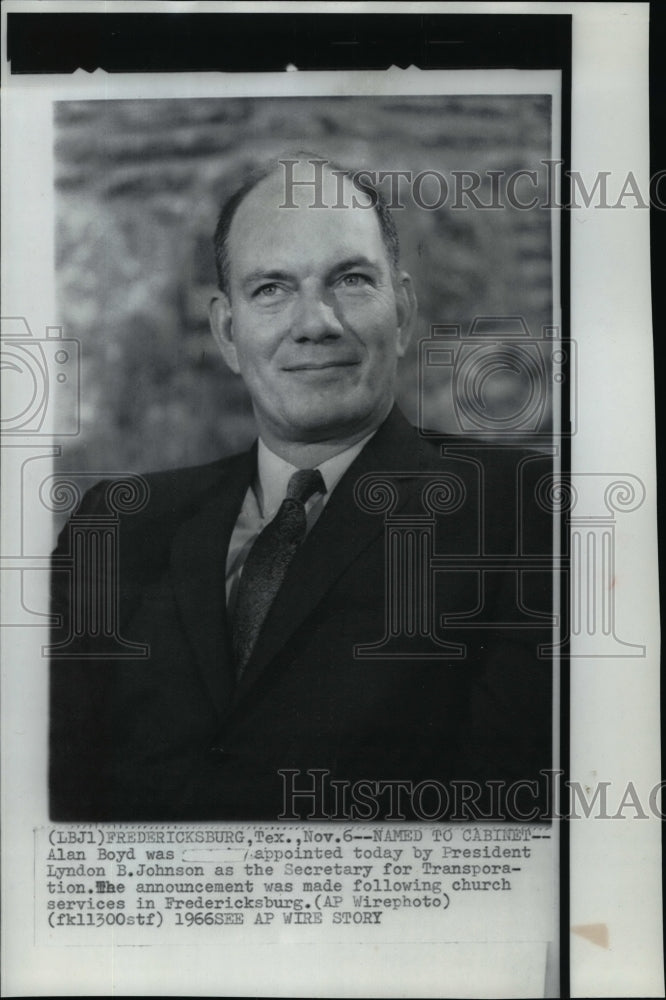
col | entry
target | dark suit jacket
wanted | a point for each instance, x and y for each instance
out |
(173, 737)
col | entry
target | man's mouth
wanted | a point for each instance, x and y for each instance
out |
(319, 366)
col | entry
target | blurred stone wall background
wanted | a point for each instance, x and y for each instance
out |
(138, 188)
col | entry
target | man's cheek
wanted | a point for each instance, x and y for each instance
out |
(373, 321)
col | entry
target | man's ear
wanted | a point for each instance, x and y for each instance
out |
(407, 307)
(219, 315)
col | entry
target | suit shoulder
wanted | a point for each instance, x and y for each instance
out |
(171, 488)
(163, 495)
(149, 508)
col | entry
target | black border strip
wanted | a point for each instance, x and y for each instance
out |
(565, 666)
(658, 254)
(268, 42)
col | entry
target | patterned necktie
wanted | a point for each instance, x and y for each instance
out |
(268, 561)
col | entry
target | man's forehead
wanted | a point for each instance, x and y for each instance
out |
(333, 211)
(305, 186)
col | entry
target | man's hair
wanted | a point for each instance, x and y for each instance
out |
(387, 227)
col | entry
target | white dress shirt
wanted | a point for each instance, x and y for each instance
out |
(263, 499)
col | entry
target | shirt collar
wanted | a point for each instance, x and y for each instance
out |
(273, 474)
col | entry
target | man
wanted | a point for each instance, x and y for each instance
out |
(259, 581)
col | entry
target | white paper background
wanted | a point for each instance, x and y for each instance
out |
(615, 865)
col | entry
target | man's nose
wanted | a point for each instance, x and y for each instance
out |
(315, 318)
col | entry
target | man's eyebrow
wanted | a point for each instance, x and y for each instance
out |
(351, 262)
(261, 275)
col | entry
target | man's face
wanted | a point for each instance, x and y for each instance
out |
(316, 319)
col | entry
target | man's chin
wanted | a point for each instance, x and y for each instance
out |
(337, 423)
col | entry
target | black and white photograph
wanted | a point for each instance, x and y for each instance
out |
(225, 673)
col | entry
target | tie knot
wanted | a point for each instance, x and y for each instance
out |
(304, 483)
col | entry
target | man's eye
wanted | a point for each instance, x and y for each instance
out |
(354, 280)
(266, 291)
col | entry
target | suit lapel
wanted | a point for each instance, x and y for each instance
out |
(341, 533)
(198, 569)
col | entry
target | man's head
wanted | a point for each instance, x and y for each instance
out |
(313, 311)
